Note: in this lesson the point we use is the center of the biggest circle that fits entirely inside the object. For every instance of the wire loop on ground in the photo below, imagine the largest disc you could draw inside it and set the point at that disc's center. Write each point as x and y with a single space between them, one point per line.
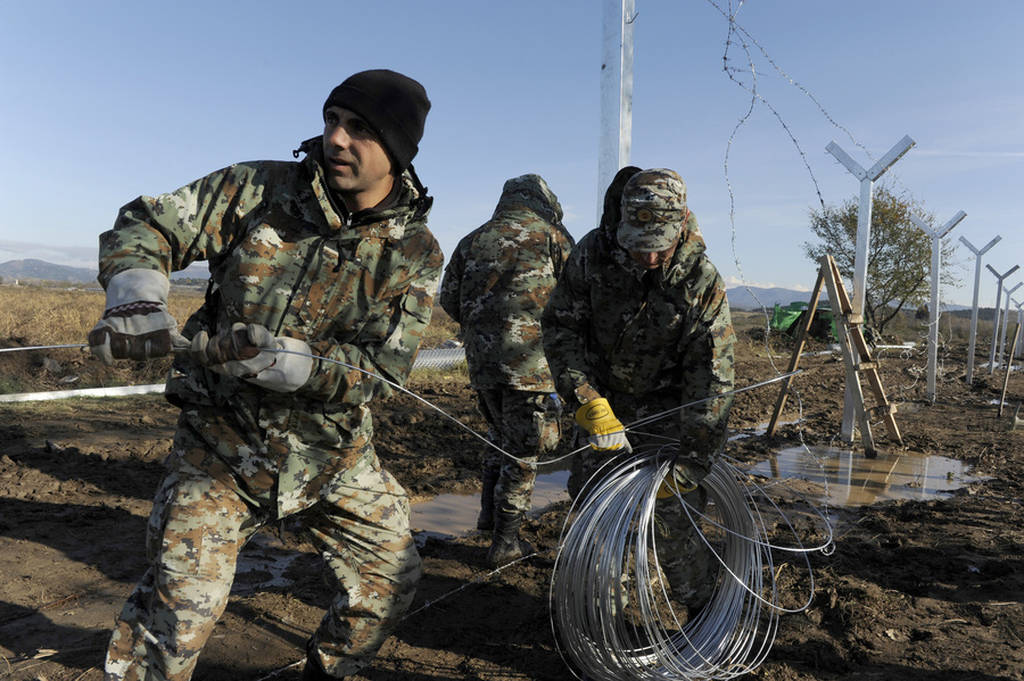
613 614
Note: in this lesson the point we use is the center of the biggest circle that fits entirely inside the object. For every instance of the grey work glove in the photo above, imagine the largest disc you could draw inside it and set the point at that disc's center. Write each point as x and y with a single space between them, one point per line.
252 353
136 323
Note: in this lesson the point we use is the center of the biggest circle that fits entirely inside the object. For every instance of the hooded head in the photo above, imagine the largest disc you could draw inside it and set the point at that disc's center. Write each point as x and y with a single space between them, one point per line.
612 210
653 211
530 191
394 105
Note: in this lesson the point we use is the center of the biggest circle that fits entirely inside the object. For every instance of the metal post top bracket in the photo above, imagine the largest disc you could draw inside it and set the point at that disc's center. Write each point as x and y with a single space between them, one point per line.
1000 277
941 232
989 245
883 164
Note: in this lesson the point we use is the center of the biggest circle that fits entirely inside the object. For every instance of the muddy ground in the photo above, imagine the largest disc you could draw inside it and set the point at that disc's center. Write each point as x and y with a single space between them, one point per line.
914 590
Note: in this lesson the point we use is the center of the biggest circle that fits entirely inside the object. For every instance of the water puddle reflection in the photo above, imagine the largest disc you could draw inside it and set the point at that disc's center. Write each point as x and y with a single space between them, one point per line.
455 514
852 479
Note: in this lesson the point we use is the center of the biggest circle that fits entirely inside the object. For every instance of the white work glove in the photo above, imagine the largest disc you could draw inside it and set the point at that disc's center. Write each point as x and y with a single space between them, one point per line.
136 323
605 432
252 353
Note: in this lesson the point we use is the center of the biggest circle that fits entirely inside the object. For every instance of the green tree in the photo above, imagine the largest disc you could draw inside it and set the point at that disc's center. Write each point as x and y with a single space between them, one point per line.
899 255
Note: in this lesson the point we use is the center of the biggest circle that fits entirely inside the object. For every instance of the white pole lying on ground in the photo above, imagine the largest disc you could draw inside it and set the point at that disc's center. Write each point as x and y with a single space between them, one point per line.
933 317
616 93
974 305
860 267
995 313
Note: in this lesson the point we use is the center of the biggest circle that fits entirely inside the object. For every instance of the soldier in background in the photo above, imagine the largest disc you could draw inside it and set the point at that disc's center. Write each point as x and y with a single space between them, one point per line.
328 256
639 324
495 286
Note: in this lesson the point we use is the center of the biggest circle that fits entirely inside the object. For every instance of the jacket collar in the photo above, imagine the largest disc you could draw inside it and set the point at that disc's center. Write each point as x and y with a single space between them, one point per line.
388 220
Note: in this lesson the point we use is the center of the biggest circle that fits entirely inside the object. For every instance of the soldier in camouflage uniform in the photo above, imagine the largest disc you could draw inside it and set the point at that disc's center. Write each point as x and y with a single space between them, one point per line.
637 325
328 257
495 286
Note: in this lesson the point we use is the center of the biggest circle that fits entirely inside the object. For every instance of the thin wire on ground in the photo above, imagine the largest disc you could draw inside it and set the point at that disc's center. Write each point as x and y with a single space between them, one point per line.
612 613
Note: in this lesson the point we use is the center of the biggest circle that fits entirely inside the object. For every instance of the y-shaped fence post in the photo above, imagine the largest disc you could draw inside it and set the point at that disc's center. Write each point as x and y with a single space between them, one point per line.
933 321
1020 317
860 267
1006 317
995 313
974 305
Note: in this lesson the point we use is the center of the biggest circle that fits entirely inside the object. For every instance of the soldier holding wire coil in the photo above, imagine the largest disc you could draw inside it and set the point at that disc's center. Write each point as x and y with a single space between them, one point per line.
638 324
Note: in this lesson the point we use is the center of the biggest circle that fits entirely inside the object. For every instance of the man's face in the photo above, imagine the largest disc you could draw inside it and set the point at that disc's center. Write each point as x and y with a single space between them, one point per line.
655 259
356 164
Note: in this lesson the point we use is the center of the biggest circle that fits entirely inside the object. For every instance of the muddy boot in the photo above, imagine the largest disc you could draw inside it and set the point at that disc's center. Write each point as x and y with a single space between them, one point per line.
506 545
485 521
314 671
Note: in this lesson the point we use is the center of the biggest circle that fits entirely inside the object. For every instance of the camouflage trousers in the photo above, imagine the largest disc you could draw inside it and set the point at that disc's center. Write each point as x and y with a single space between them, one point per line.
525 424
199 523
689 567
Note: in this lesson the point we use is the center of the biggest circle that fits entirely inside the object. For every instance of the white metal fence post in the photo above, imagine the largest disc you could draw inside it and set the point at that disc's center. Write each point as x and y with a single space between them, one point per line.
933 316
1020 316
1006 317
616 93
860 267
974 305
995 313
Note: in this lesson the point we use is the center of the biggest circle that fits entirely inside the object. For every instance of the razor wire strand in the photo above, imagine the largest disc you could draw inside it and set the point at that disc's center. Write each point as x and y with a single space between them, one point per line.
746 39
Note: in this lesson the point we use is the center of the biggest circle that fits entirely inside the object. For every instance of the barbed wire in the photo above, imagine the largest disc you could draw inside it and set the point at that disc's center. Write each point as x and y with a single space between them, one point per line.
738 36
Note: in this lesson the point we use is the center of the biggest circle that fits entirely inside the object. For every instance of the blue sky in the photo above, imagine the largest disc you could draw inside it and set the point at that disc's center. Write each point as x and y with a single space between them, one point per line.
104 101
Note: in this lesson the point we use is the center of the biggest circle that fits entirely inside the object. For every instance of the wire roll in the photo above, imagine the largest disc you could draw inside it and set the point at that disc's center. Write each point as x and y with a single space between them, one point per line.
613 615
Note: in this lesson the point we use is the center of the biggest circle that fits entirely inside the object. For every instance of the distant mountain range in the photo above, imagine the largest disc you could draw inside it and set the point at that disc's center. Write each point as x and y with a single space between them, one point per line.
753 297
740 297
40 270
46 271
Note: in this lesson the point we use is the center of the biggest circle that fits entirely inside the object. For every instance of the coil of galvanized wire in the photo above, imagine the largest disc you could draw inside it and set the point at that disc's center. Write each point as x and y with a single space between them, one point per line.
613 614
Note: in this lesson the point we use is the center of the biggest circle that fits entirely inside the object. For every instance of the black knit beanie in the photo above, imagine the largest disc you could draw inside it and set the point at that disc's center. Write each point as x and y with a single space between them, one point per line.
394 105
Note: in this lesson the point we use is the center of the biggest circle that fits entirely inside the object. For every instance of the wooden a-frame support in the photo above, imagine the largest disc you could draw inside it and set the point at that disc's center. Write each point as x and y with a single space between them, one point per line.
856 357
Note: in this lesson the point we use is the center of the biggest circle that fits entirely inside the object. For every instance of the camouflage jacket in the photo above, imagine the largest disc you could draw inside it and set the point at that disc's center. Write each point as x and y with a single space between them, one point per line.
357 288
647 341
498 281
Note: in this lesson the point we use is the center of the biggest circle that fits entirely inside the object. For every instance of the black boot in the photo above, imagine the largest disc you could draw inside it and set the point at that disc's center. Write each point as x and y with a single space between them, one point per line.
485 521
314 671
506 545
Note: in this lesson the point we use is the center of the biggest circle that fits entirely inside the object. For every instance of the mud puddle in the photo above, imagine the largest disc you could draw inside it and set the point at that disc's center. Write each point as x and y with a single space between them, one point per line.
849 478
455 514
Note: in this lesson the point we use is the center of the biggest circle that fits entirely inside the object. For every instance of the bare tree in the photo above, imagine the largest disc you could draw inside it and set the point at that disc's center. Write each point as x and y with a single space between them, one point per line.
899 256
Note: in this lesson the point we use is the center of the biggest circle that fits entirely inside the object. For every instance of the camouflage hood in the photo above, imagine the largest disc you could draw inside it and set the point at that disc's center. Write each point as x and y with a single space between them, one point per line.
529 192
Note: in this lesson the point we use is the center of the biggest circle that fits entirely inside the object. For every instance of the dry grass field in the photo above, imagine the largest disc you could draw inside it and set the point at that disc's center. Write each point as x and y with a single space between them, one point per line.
41 315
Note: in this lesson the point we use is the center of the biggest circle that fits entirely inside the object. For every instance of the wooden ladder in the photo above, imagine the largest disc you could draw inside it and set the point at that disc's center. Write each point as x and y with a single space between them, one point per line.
856 357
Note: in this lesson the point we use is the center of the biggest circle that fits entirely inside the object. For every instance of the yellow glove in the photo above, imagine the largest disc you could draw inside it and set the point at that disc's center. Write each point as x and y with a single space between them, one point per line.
605 431
682 479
